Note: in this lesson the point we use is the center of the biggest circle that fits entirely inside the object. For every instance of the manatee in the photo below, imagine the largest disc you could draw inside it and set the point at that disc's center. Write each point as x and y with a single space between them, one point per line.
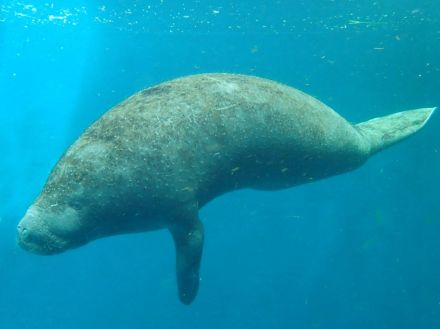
152 161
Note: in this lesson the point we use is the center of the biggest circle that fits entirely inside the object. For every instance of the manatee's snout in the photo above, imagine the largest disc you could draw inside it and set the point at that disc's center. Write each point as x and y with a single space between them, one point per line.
34 237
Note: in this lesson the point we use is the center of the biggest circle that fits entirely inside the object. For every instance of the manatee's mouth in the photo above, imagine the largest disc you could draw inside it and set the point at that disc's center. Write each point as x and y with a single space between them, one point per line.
38 239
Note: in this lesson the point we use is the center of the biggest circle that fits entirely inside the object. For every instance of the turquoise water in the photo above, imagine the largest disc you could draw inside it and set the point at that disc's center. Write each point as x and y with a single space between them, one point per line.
361 250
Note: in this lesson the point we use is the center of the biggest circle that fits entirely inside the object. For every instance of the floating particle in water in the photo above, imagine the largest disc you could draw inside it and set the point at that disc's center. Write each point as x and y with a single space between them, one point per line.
254 49
415 11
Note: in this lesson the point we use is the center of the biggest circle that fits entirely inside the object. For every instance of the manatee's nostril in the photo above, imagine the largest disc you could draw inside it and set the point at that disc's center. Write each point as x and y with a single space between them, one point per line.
28 236
23 233
22 229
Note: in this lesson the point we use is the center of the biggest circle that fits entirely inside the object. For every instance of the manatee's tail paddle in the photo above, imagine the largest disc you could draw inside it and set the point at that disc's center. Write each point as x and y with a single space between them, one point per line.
385 131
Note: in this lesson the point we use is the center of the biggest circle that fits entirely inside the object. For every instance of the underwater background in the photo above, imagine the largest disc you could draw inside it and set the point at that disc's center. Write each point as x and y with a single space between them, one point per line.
360 250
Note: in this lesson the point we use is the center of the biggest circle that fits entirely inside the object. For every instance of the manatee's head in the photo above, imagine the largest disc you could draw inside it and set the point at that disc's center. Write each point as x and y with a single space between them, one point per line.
69 211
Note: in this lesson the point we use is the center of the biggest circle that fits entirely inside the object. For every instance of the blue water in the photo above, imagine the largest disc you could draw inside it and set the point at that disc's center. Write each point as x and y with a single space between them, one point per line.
361 250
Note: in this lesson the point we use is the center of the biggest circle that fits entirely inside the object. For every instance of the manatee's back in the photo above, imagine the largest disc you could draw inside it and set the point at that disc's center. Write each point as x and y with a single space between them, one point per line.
207 133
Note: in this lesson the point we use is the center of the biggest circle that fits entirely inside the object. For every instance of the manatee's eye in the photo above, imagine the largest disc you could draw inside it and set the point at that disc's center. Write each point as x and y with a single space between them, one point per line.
75 204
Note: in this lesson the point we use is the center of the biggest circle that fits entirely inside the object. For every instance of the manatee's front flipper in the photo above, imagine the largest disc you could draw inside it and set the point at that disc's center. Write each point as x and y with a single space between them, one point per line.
188 238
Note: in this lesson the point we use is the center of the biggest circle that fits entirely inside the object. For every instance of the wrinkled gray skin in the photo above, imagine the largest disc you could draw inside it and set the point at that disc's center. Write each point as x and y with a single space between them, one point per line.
155 159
